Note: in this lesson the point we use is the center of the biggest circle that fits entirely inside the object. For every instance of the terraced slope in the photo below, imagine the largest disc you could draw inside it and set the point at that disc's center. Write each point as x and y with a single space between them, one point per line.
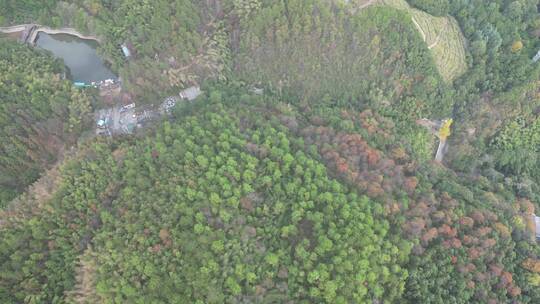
449 51
442 36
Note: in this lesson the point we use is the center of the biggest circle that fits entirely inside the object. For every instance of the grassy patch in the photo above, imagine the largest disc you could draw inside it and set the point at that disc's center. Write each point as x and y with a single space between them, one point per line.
449 52
442 36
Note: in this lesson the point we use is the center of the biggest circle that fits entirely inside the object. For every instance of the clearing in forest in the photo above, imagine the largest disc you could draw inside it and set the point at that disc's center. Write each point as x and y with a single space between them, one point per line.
443 38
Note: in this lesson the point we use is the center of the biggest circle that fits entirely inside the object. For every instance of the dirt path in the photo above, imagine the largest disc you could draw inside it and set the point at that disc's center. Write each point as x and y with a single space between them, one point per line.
435 43
419 29
358 7
370 2
424 35
13 29
439 36
441 150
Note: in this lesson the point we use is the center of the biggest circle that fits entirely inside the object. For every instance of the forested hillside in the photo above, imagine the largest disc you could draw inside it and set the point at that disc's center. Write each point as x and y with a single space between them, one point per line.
300 175
165 37
314 52
162 35
13 11
39 113
497 100
227 206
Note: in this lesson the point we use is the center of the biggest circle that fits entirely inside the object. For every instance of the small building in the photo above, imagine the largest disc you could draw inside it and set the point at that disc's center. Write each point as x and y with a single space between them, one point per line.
81 85
191 93
537 225
536 57
257 91
125 50
102 123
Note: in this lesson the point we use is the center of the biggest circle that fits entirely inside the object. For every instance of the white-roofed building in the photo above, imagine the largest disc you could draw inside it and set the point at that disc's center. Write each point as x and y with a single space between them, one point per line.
126 51
190 93
537 225
536 57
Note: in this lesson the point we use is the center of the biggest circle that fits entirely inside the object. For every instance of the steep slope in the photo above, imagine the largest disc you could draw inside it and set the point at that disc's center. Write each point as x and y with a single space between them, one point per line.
214 209
374 59
39 113
251 200
316 189
442 36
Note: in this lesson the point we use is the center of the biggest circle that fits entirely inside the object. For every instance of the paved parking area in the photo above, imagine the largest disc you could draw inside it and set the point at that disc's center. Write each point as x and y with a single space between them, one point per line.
116 120
120 120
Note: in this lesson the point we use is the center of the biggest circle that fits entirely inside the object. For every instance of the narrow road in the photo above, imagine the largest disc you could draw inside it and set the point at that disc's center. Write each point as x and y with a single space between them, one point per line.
441 151
435 43
370 2
419 29
33 36
434 127
13 29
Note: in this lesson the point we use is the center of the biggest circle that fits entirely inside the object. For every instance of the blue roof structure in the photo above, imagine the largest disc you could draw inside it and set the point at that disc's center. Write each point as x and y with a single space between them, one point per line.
81 85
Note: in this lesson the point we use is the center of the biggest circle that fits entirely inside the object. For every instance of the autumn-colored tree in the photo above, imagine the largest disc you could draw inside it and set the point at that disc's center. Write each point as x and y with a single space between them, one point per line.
466 221
517 46
532 265
503 230
430 235
445 131
410 184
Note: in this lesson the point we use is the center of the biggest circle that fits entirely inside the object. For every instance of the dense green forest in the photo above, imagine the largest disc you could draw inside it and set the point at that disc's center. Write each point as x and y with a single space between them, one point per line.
300 175
498 97
223 209
222 205
40 113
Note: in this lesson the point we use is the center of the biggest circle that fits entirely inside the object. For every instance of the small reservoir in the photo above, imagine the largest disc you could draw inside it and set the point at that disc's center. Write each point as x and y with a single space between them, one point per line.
79 55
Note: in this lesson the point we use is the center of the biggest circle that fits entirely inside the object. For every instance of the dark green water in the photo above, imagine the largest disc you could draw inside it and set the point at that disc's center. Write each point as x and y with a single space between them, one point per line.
79 55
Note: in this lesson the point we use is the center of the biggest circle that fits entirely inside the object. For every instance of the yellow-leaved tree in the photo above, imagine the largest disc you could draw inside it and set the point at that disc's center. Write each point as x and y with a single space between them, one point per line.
444 131
517 46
